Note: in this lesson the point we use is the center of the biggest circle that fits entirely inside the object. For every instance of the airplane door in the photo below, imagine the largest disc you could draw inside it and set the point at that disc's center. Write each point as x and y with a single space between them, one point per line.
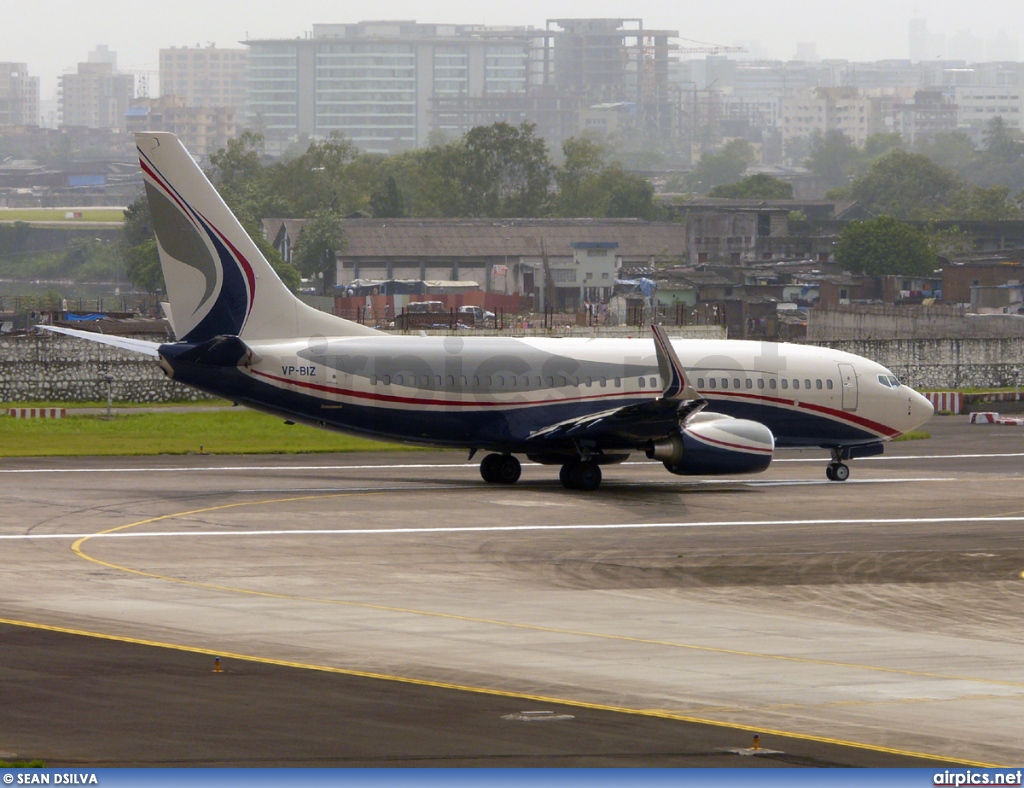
848 380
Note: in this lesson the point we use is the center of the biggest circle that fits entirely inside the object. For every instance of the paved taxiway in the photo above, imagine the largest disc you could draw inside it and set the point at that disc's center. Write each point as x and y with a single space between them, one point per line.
884 611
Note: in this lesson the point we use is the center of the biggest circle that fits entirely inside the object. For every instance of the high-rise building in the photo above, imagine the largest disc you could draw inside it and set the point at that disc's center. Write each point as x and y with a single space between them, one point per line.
202 130
388 85
19 96
375 82
204 76
96 96
831 109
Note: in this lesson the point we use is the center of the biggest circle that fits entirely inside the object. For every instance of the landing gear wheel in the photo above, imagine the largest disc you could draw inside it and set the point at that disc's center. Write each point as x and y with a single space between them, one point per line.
584 476
508 469
837 472
500 469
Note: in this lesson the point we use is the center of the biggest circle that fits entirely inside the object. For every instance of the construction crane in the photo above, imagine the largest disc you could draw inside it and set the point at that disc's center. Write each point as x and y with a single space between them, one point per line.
706 49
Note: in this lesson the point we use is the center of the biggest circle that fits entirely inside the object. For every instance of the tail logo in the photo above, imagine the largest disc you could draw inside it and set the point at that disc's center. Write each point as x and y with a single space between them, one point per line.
223 291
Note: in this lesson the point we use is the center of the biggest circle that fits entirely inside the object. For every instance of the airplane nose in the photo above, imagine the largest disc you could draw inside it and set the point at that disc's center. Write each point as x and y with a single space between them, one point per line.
920 410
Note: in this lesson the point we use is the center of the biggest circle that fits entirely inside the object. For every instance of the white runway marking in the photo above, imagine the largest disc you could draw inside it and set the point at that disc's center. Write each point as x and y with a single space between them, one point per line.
463 465
518 528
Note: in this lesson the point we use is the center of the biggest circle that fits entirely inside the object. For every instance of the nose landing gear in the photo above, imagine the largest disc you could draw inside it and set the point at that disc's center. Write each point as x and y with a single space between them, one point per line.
837 472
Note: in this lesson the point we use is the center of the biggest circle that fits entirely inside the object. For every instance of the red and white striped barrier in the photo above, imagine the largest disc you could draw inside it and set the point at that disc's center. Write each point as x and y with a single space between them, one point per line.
995 418
949 401
37 413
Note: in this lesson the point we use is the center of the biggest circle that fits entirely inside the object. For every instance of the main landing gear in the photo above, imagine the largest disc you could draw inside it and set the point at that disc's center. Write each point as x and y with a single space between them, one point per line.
580 475
500 469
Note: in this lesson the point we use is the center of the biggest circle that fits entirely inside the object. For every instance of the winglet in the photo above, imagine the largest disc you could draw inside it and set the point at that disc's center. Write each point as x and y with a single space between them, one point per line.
676 384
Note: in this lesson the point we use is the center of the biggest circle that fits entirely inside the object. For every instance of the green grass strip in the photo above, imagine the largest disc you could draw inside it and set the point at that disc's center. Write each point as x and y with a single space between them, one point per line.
221 432
58 214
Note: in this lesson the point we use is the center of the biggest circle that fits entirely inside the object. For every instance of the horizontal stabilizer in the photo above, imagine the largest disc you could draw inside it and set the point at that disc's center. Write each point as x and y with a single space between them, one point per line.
125 343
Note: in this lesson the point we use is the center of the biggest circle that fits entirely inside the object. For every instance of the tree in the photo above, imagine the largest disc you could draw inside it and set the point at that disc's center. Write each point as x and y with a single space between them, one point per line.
140 251
317 248
725 166
755 187
630 196
320 179
905 185
885 246
386 201
503 171
834 159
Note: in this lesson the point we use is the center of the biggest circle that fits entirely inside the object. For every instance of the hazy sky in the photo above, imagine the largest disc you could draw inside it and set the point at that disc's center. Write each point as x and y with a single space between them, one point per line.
52 36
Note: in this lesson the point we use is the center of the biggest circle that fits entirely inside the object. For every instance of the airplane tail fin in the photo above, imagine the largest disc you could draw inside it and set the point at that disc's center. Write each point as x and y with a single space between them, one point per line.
218 282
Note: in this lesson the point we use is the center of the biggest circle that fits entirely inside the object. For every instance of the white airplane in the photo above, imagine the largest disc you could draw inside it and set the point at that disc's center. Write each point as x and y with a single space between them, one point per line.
700 406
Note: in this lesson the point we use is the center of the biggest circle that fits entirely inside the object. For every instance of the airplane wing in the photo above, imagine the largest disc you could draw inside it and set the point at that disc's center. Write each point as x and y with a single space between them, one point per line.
136 345
678 402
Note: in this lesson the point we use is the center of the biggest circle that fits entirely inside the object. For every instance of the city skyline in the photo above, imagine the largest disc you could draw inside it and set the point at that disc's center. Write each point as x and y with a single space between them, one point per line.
873 30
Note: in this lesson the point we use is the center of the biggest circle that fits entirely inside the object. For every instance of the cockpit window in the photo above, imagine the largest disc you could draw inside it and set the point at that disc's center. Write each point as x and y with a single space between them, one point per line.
890 381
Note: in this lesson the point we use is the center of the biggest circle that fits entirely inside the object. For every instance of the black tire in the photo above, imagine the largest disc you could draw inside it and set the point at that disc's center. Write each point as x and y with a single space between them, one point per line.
565 475
830 472
586 476
507 469
841 472
489 468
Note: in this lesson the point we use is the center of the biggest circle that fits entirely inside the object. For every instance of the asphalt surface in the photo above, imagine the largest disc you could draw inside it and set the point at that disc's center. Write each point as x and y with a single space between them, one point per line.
392 609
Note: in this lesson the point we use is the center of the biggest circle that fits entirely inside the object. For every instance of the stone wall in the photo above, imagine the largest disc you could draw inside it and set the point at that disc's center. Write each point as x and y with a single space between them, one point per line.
54 367
944 363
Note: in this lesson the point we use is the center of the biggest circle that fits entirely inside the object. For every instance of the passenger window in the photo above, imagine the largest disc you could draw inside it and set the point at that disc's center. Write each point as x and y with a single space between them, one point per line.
536 382
772 383
817 384
451 381
760 383
576 381
500 380
750 383
618 383
725 383
807 383
735 383
641 383
712 382
373 380
476 381
487 381
785 383
512 381
828 384
562 381
399 380
551 382
604 382
654 383
700 383
796 383
386 380
437 381
590 381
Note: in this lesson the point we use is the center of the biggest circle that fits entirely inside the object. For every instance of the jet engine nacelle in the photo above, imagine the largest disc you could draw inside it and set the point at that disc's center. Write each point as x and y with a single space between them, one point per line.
709 447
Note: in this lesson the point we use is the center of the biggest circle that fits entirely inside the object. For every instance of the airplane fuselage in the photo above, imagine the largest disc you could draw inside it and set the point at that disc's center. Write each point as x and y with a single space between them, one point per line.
495 393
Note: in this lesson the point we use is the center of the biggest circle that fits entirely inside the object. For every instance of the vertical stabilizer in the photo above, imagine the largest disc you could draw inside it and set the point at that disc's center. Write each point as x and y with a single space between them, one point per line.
217 280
